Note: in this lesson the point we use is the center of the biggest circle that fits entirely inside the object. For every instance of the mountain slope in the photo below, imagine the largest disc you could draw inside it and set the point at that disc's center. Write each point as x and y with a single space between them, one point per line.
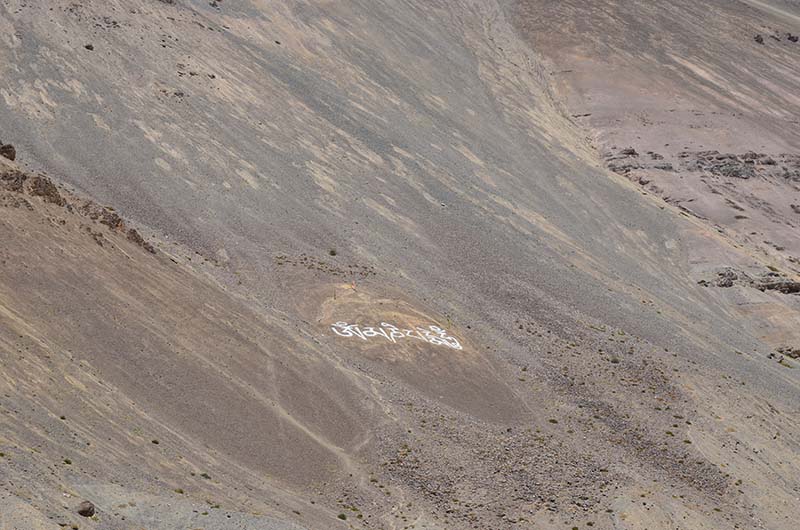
297 165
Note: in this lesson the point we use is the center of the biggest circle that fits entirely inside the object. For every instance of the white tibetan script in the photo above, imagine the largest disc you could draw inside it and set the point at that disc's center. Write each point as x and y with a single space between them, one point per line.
433 334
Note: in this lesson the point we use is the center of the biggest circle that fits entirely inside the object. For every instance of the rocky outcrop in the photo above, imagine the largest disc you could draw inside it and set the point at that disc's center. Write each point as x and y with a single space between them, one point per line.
767 281
43 187
716 163
792 353
628 159
17 185
774 282
737 166
136 237
743 166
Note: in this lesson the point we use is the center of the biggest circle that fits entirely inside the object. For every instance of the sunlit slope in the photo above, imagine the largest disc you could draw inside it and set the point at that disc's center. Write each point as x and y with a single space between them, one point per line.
399 136
376 164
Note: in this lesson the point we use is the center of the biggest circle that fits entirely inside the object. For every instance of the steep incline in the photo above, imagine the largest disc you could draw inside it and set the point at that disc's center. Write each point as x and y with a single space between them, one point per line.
412 164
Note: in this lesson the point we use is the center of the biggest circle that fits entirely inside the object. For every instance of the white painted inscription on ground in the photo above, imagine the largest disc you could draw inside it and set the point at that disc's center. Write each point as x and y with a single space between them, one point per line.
432 335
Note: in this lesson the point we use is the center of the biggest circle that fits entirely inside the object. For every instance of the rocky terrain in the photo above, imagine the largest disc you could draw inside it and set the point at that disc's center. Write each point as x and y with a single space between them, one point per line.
373 264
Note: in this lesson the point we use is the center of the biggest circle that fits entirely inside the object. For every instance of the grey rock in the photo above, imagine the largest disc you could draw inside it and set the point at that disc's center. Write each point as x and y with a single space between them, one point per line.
86 509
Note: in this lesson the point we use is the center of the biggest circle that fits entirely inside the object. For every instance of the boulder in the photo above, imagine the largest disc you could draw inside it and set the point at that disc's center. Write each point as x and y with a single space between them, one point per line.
86 509
8 151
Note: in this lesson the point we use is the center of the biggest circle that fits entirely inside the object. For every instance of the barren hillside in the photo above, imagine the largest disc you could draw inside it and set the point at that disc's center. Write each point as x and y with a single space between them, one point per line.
464 264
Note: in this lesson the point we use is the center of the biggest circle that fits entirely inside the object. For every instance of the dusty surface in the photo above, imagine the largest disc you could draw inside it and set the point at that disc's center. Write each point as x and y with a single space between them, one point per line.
477 166
681 98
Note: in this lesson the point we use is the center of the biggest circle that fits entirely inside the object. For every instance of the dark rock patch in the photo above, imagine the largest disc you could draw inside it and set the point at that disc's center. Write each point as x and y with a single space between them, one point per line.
792 353
136 237
720 164
352 270
12 180
102 215
623 168
775 282
768 281
744 166
8 151
43 187
726 278
86 509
